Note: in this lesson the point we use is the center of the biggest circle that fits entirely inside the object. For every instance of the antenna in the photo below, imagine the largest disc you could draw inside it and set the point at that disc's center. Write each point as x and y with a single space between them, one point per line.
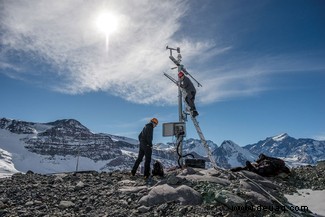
178 63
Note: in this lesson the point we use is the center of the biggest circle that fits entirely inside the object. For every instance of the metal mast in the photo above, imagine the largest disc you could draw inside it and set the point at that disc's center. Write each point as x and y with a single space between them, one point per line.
183 115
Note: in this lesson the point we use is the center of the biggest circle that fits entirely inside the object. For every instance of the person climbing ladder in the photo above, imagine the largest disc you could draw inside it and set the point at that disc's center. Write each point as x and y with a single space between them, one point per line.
190 90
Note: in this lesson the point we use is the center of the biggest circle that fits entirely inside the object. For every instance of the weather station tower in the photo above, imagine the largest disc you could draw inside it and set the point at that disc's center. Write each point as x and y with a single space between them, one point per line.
178 129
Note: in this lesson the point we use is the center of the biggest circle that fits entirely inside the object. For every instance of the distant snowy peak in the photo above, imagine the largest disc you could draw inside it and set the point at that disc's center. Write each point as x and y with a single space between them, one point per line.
229 155
23 127
305 151
116 138
230 147
280 137
161 146
16 126
72 123
196 146
69 126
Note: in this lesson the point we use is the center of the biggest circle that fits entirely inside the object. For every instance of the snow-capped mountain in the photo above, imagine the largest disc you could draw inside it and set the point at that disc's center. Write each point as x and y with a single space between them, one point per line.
65 145
294 151
230 155
195 146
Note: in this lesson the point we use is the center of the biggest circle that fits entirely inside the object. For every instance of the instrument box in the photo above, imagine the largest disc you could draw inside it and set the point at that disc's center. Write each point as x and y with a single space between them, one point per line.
195 163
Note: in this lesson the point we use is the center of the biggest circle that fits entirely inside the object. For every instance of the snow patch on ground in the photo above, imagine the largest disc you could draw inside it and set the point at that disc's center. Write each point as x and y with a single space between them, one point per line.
313 199
7 168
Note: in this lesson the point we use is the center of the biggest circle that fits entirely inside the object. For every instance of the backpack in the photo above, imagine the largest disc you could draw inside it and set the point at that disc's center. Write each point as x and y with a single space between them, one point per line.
158 169
271 166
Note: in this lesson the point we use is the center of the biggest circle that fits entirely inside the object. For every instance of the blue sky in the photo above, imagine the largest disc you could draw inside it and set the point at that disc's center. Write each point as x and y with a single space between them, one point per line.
261 64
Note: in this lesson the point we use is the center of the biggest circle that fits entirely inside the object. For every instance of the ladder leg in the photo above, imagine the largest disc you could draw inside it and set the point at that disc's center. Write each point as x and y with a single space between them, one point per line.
204 142
199 131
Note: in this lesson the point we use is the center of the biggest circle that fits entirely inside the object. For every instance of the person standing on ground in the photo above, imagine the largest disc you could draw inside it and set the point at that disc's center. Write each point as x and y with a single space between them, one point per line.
188 86
145 148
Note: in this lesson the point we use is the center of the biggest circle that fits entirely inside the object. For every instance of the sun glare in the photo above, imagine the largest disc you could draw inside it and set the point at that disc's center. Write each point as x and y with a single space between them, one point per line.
107 23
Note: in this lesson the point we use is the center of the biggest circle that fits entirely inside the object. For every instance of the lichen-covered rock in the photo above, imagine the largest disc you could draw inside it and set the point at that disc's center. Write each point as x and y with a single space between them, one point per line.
229 199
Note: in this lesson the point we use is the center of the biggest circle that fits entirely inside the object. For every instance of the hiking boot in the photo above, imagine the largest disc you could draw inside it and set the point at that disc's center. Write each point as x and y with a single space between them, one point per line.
148 180
195 113
132 173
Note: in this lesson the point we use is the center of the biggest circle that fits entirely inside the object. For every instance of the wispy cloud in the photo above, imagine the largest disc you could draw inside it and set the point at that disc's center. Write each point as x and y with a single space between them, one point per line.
248 75
10 70
63 35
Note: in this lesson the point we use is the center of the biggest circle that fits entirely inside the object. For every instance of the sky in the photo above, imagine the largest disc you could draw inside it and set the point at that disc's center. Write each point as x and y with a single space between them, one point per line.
261 65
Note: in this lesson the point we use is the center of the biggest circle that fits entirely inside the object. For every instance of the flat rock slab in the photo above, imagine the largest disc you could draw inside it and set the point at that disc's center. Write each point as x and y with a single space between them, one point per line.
206 178
259 199
251 175
250 186
165 193
229 199
129 189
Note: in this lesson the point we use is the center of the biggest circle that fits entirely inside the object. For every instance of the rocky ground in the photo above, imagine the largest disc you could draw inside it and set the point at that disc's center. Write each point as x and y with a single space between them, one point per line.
306 177
187 192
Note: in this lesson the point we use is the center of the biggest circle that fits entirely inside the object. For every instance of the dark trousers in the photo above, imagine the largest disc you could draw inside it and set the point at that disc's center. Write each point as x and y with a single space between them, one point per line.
144 151
190 97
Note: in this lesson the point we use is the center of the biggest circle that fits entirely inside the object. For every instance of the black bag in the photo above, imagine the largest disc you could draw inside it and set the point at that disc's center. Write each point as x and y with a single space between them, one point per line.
271 166
158 169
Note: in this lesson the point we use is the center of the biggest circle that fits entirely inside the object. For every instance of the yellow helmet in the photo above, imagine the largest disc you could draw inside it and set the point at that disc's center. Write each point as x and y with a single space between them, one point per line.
154 120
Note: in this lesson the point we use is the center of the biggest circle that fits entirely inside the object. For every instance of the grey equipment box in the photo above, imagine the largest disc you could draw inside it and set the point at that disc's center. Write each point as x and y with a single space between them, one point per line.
174 128
196 163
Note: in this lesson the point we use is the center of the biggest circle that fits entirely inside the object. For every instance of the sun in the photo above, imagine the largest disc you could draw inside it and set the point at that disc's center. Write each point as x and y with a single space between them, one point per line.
107 22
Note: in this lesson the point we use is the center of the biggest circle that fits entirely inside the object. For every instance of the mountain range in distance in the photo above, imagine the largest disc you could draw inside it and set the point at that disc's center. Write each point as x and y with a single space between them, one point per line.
67 145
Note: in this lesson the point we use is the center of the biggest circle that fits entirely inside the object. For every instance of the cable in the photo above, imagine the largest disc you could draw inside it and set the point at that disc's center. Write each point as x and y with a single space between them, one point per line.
179 142
259 186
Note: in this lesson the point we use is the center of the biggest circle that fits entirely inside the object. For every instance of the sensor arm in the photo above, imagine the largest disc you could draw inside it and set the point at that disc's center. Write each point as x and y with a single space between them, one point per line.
177 63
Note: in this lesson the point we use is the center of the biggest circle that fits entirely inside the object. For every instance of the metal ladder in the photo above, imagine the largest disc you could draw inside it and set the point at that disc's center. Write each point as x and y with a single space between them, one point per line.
195 122
200 133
